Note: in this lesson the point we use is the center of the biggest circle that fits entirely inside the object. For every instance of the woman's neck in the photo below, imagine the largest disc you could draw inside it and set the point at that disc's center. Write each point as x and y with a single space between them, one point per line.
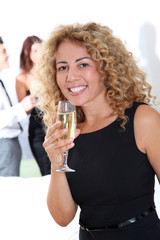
97 116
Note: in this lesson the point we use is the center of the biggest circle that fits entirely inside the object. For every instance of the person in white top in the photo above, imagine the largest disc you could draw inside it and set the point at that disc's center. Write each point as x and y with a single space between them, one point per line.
10 128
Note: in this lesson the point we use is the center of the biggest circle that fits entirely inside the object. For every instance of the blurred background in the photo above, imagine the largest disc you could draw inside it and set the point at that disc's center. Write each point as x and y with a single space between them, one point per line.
135 22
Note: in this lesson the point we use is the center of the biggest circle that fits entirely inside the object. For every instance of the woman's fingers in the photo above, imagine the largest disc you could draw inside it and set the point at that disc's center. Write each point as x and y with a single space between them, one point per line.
59 147
57 125
53 128
55 144
61 143
54 137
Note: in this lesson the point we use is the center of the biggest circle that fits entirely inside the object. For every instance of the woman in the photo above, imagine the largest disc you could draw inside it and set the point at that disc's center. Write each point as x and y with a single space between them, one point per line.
116 151
29 53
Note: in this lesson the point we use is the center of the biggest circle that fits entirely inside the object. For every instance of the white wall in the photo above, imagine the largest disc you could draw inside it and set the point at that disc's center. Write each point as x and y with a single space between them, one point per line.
134 21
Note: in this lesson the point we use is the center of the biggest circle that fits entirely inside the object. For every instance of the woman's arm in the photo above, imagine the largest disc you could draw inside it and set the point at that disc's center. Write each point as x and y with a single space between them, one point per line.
60 202
147 134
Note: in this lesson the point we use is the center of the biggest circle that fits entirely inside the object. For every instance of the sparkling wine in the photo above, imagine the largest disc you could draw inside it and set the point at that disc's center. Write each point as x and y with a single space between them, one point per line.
68 120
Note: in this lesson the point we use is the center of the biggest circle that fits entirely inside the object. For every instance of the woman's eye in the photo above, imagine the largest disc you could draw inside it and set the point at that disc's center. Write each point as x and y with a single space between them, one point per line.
82 65
62 68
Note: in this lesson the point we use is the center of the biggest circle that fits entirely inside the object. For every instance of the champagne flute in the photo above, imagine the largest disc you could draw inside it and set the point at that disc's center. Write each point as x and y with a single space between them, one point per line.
67 115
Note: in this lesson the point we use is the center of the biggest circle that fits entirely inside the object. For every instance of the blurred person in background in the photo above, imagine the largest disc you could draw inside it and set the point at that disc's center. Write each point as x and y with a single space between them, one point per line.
28 56
10 128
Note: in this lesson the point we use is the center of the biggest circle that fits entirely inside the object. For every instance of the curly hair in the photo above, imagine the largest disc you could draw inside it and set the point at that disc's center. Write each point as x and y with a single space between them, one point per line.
26 63
125 82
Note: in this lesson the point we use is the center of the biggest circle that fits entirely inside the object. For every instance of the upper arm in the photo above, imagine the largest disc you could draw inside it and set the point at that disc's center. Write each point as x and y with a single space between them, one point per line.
20 89
147 134
153 143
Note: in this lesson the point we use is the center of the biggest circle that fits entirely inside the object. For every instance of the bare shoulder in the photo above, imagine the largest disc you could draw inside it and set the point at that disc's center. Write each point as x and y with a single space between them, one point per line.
147 134
146 126
145 115
21 77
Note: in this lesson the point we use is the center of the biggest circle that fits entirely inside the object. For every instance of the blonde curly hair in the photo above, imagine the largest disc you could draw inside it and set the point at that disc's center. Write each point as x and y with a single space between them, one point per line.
125 82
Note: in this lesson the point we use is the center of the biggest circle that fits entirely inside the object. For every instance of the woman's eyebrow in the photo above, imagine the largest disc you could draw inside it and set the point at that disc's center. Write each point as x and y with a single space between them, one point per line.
77 60
62 62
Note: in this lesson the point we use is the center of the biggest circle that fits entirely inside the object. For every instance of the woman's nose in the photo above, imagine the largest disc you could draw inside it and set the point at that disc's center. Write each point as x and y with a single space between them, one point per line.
72 75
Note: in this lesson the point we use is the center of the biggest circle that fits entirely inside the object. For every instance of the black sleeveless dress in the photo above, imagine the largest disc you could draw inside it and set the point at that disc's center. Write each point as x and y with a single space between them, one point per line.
36 139
113 182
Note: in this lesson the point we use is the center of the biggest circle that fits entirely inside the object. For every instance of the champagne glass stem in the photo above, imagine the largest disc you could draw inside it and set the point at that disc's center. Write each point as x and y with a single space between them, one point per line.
65 167
65 159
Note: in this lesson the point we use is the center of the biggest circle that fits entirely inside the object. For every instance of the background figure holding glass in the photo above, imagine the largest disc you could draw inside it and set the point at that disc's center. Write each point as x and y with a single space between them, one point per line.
117 154
10 128
28 56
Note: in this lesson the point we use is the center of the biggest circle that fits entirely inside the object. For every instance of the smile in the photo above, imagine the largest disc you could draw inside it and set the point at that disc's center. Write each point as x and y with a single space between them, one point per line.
77 89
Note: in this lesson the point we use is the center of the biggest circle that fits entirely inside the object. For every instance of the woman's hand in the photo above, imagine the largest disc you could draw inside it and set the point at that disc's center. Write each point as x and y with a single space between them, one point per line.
55 147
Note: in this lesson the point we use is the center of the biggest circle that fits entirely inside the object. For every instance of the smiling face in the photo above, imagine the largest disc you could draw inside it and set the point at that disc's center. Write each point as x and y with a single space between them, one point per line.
3 58
77 75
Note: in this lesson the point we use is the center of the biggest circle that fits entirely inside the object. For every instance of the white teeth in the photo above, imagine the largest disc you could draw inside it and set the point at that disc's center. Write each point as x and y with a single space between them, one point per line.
77 89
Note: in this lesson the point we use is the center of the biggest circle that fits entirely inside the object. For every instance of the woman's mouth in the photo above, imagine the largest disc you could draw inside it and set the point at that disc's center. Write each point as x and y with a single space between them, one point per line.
77 90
